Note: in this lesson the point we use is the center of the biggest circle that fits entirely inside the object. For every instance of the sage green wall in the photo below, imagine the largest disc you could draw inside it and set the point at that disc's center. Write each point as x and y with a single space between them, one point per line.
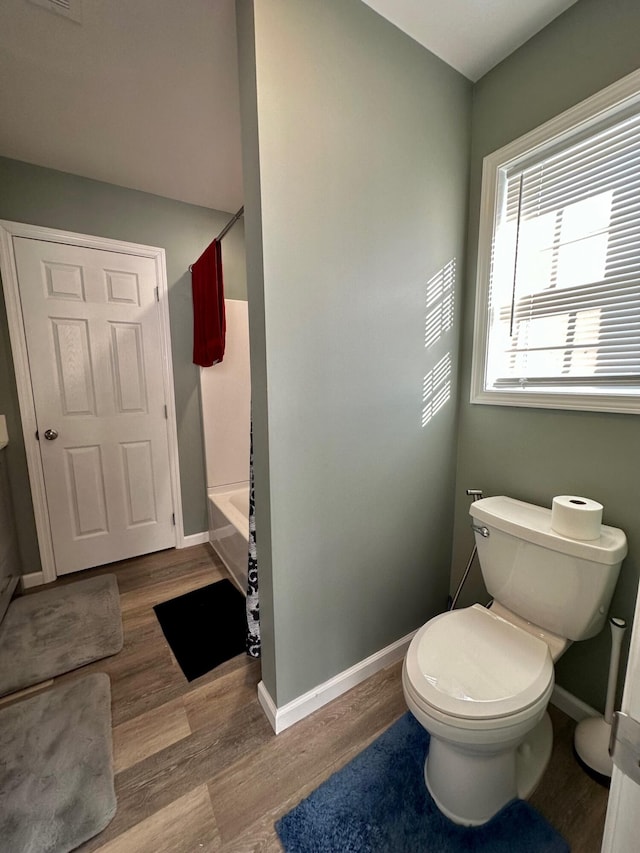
58 200
534 454
362 140
255 288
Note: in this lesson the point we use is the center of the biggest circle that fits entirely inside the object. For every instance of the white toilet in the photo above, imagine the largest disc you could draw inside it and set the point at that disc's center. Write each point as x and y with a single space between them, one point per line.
479 679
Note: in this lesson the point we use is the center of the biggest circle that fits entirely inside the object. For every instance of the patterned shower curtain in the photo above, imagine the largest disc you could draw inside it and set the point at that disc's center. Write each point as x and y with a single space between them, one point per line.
253 601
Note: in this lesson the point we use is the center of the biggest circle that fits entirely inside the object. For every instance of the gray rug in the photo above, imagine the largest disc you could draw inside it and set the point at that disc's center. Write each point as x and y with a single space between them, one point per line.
56 767
57 630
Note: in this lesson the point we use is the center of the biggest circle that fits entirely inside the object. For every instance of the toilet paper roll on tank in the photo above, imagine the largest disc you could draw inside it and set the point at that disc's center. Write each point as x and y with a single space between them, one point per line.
576 517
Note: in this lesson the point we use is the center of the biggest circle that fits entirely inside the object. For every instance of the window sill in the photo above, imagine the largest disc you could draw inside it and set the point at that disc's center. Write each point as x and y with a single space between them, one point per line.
614 403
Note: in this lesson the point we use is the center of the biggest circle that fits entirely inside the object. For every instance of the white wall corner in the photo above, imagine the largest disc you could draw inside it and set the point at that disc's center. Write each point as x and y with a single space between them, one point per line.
31 580
282 717
193 539
268 706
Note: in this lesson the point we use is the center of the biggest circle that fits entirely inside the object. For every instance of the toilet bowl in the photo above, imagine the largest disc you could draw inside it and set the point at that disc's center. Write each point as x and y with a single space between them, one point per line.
480 686
479 680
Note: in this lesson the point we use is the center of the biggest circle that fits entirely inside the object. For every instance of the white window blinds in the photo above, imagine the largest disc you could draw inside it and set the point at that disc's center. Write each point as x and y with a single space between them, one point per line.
564 293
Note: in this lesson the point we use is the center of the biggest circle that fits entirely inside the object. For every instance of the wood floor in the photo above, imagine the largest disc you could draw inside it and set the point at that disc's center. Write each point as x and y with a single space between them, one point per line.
198 767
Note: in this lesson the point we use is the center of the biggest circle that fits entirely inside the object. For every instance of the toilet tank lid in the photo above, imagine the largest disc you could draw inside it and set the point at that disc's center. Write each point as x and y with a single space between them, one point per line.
533 524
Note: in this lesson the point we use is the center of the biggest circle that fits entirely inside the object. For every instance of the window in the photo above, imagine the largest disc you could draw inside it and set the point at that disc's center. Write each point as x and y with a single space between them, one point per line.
558 288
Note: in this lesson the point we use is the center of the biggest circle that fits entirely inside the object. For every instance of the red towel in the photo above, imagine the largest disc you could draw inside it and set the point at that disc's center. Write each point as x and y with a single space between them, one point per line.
209 324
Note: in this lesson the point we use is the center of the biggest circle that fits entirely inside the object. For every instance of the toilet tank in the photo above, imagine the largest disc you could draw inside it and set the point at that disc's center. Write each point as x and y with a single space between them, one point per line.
563 585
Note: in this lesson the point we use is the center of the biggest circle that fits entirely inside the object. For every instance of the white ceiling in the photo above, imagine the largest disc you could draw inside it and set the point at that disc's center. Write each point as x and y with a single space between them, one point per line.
144 93
470 35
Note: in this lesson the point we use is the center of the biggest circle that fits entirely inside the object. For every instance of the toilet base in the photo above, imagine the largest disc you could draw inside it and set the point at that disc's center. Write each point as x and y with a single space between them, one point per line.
532 757
470 787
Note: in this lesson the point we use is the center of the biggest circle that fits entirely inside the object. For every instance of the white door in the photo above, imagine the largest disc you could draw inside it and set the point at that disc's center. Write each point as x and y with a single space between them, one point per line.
92 330
622 827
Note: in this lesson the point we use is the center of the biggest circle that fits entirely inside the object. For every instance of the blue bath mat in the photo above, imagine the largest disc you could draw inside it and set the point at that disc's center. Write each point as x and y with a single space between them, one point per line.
379 803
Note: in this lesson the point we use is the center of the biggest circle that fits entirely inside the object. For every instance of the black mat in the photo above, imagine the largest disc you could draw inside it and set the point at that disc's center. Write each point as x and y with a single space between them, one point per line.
205 627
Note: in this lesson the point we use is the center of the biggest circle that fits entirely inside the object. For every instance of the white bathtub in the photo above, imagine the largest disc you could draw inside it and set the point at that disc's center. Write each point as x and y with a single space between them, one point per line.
229 529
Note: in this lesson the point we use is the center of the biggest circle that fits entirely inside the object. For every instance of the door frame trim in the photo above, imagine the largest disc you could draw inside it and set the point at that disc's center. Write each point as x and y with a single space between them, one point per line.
8 270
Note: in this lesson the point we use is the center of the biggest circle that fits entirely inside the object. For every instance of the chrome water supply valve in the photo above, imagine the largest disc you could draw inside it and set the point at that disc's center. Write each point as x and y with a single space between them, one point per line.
475 495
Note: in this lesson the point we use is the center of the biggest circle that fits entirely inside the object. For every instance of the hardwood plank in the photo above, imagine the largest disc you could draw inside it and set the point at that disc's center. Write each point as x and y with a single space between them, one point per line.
567 796
143 675
171 562
148 733
186 825
230 772
259 835
166 588
194 760
155 782
140 572
136 693
223 695
301 757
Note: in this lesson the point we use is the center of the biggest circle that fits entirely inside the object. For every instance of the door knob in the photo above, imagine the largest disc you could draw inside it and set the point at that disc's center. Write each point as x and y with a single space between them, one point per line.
51 434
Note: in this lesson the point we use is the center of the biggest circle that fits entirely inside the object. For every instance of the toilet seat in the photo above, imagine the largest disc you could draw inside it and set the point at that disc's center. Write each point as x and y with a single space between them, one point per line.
476 670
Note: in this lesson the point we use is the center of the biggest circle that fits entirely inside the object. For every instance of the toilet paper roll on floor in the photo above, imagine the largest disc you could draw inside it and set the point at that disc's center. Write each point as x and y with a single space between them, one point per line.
576 518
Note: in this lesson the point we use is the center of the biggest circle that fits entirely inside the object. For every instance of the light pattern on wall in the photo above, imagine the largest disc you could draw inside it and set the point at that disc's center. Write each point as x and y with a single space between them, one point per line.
439 317
440 303
436 389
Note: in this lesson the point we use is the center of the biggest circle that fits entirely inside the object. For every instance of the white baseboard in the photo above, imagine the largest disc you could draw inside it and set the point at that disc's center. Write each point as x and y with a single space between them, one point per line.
193 539
296 710
285 716
268 706
571 705
31 580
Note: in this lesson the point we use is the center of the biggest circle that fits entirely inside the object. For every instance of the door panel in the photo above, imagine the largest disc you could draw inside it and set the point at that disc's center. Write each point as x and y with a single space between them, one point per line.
93 335
137 470
128 367
71 352
85 491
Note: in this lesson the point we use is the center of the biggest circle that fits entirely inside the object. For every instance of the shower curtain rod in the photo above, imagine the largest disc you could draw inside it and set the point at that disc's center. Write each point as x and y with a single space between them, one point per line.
226 228
230 223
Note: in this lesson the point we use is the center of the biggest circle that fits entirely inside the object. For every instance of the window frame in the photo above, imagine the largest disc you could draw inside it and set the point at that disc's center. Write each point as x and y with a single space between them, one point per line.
620 96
